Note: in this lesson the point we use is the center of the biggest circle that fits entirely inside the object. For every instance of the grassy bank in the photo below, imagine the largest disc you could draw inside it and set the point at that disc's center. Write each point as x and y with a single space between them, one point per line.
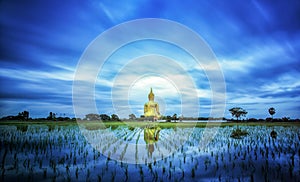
115 124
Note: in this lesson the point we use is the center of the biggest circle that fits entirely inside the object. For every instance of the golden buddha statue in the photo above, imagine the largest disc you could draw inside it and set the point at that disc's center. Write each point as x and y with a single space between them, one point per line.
151 108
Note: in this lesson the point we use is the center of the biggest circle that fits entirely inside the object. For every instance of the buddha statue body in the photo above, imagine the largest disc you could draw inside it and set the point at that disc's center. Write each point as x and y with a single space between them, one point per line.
151 108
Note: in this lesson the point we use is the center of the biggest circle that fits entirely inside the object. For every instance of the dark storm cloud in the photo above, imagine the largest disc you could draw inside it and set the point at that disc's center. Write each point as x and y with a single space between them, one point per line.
35 31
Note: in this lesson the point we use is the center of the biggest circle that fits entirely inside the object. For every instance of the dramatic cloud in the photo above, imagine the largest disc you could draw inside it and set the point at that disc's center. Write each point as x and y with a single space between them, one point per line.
256 43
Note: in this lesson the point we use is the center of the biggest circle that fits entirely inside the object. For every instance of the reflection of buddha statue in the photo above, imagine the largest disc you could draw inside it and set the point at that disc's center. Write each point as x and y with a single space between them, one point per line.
151 108
151 136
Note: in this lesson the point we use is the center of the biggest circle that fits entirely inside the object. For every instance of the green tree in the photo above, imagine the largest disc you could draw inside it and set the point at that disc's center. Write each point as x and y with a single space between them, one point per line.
174 117
92 117
132 117
52 116
23 115
115 117
238 112
272 111
168 118
104 117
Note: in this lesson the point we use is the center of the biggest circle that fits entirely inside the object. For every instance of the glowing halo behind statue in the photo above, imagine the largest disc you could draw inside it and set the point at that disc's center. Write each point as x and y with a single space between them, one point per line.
110 41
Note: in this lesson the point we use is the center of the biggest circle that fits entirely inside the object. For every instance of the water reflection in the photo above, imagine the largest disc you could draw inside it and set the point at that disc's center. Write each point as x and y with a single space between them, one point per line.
140 144
151 136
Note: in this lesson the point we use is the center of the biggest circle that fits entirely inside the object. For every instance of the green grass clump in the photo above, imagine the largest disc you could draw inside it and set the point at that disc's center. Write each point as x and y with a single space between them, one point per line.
238 133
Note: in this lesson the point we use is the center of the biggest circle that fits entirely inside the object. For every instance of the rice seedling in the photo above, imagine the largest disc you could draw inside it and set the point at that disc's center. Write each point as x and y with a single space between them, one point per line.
64 154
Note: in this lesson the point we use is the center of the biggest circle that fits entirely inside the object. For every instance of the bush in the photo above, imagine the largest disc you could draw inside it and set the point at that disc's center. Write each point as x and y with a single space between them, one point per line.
252 120
269 119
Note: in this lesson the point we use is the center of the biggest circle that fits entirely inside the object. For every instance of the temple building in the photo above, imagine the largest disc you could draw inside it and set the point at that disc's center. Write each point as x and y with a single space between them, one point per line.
151 108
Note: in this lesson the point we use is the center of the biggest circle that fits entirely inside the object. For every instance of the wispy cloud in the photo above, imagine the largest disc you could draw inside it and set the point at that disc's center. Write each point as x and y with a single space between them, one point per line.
257 45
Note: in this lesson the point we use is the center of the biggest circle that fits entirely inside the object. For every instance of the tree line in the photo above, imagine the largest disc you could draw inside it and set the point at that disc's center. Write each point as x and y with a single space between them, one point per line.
24 116
102 117
239 112
236 112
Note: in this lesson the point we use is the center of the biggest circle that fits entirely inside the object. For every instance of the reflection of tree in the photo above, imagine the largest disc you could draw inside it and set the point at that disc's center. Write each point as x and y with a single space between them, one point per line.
273 134
151 136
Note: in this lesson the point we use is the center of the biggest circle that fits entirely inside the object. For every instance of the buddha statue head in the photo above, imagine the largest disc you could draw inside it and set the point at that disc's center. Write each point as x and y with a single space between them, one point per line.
151 95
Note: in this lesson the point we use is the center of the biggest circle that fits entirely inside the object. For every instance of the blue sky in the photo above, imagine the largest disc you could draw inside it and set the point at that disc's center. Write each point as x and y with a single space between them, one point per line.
256 43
